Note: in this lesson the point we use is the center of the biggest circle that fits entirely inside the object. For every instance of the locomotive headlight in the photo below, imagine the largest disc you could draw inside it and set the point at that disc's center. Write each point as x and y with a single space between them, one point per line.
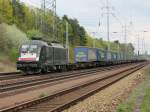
19 59
37 59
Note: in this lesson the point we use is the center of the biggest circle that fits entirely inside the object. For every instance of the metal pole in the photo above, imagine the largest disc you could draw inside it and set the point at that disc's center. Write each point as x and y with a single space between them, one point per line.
94 42
138 45
55 22
119 51
143 45
118 48
67 42
125 42
44 18
108 30
143 42
43 7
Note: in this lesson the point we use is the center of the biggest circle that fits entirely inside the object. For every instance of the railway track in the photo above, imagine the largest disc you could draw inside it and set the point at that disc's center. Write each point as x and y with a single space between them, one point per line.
63 99
10 75
43 79
17 75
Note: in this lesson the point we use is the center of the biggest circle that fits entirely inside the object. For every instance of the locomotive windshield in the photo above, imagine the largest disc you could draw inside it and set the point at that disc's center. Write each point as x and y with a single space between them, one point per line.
29 48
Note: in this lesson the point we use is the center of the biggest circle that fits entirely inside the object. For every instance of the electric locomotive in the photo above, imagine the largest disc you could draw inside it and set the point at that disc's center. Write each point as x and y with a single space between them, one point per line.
36 56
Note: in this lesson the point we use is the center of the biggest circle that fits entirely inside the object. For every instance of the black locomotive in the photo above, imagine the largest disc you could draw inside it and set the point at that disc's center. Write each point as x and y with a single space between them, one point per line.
38 56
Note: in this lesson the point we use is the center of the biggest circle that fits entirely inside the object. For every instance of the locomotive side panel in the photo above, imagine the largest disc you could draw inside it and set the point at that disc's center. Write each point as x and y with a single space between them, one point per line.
49 56
60 56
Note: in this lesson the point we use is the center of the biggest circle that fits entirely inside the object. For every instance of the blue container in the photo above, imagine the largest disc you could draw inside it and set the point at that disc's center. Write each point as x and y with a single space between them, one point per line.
85 54
114 56
101 55
118 56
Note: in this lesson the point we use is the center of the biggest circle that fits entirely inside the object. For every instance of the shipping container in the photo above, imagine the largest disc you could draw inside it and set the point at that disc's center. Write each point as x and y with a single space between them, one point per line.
119 56
85 54
108 56
101 55
113 56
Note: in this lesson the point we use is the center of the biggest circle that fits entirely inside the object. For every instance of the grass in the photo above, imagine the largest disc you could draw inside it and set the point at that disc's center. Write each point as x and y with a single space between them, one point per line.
145 107
6 64
128 107
13 54
129 104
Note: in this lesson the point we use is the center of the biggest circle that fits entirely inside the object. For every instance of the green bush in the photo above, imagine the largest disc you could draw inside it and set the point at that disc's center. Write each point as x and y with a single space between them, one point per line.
13 54
10 40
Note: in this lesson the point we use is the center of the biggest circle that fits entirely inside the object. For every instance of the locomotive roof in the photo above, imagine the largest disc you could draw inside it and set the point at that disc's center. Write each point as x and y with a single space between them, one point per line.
57 45
43 43
37 42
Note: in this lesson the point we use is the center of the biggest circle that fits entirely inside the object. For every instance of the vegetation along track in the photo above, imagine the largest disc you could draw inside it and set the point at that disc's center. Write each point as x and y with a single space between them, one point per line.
43 79
65 98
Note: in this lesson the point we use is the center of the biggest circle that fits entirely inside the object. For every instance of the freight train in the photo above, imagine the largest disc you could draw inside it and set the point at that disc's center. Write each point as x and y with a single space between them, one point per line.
36 56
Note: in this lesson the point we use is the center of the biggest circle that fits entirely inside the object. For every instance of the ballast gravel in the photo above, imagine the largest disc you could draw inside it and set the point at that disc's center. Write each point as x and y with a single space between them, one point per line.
108 99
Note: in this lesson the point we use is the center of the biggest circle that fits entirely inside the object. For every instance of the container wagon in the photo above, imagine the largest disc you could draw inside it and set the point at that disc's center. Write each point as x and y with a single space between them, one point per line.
85 56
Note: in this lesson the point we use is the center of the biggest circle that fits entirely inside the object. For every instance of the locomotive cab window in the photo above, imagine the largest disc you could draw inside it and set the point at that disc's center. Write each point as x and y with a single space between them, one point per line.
33 49
29 48
24 48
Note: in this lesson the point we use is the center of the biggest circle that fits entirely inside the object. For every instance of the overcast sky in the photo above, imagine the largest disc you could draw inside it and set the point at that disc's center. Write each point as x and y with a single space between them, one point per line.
89 12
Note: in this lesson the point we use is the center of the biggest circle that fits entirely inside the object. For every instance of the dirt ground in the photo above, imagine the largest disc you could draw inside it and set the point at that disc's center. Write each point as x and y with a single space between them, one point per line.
108 99
6 64
7 67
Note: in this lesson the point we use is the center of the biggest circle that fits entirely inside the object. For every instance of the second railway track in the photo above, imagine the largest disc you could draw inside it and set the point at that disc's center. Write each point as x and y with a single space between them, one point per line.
9 88
63 99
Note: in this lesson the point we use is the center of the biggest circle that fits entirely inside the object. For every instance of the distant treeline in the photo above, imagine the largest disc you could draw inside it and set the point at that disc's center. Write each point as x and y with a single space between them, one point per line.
34 22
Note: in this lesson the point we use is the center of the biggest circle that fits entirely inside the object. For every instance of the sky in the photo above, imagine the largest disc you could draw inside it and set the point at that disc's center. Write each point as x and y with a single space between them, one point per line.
134 13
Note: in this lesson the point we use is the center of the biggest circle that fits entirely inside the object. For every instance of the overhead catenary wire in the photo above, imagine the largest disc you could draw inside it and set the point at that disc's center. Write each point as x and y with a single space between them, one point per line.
50 5
110 10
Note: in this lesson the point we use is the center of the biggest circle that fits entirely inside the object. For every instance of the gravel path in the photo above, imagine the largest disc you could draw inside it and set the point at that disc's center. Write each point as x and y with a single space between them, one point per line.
107 100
